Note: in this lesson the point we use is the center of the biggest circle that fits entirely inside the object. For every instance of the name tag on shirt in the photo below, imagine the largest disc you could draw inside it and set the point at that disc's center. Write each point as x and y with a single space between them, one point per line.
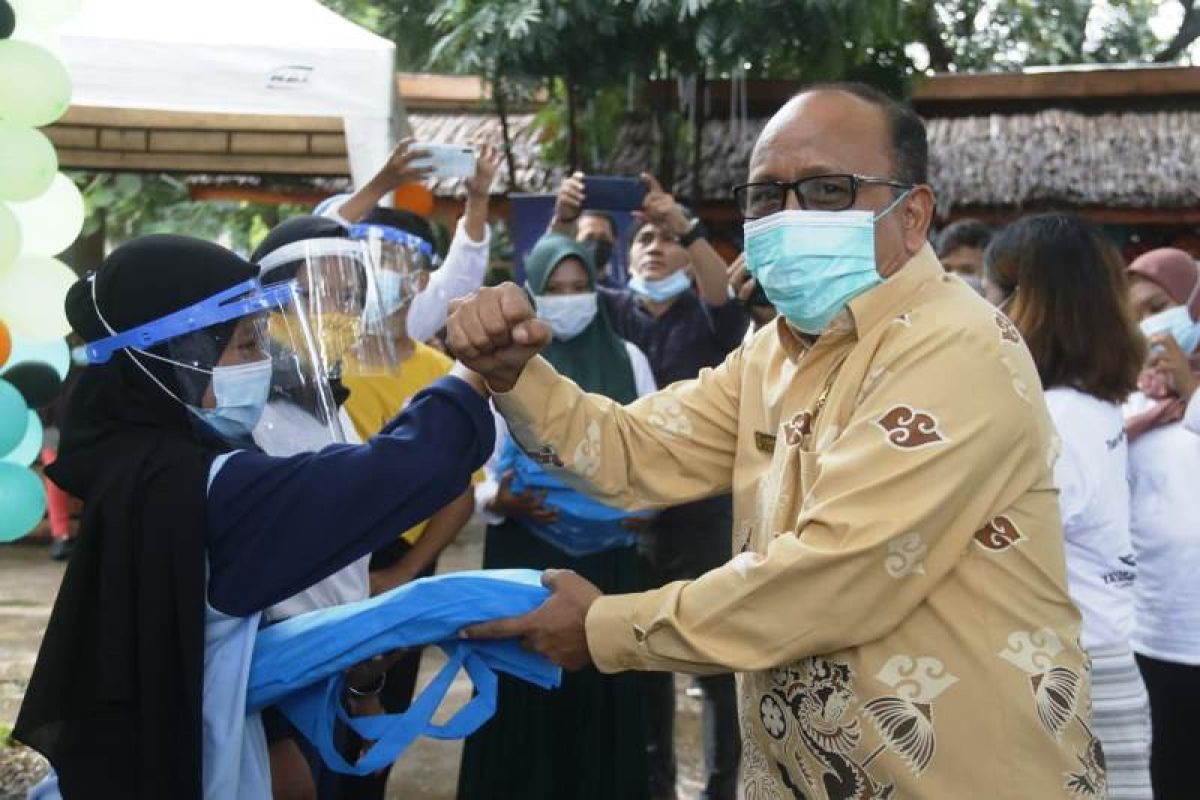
765 442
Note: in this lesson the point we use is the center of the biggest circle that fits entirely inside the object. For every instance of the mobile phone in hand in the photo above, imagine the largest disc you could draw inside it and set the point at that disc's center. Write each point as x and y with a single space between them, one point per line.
758 297
606 193
447 160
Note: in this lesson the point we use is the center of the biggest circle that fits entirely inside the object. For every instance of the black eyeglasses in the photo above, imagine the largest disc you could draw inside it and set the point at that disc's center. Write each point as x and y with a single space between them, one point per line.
815 193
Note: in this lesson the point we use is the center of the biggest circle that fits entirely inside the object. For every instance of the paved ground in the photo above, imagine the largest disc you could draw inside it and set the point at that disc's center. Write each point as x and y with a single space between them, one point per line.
428 771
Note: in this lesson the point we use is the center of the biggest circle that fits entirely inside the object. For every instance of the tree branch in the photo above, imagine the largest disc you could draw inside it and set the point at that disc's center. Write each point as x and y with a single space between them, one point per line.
940 55
1189 31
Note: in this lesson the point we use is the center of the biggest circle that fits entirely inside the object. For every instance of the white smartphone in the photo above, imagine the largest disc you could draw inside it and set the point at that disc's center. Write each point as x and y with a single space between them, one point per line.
447 160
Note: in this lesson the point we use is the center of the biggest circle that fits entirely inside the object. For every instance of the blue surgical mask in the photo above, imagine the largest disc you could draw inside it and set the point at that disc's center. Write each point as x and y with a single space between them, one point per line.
662 290
811 264
1178 322
394 290
241 395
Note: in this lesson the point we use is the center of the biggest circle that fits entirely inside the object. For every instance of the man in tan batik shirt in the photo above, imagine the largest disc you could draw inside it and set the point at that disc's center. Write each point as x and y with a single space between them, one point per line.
897 605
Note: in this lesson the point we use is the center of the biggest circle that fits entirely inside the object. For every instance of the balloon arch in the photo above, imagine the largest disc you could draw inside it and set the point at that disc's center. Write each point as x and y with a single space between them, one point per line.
41 214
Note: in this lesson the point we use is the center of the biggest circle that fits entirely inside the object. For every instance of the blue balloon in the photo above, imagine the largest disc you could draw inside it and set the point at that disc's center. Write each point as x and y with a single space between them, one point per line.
14 416
27 451
22 501
54 352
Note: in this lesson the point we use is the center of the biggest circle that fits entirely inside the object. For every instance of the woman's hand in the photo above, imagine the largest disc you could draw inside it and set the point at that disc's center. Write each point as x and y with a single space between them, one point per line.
487 164
399 169
1164 412
660 209
1169 359
569 203
528 504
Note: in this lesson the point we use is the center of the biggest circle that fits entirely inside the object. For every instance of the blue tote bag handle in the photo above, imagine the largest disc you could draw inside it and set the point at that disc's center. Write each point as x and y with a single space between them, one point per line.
315 709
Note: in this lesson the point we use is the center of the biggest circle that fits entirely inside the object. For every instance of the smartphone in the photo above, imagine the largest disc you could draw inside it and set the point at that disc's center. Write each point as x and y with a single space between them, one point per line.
447 160
605 193
758 297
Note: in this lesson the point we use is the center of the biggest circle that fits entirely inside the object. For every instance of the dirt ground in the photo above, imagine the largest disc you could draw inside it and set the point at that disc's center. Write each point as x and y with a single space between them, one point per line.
428 771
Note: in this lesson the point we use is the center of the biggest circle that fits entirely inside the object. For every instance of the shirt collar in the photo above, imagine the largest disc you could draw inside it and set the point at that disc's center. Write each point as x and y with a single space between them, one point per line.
871 307
885 300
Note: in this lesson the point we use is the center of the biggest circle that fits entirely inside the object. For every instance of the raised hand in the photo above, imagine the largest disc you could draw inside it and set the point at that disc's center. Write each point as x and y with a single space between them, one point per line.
660 209
495 332
488 159
556 628
398 170
569 203
1169 359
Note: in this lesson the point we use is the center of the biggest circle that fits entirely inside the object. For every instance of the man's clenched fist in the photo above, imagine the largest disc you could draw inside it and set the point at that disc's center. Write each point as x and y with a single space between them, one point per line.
495 332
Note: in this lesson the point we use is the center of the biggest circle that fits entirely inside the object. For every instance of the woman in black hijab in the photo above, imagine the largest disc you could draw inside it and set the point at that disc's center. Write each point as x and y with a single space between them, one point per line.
188 533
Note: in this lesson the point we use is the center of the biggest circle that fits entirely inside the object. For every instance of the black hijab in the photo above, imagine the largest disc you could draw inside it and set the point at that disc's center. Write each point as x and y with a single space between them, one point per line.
114 702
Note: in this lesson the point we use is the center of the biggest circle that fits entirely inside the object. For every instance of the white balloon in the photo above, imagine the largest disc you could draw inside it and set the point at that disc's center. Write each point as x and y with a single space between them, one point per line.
31 297
46 12
27 31
51 221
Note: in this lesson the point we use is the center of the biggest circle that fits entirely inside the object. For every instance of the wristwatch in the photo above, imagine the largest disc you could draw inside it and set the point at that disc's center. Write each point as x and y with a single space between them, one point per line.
696 231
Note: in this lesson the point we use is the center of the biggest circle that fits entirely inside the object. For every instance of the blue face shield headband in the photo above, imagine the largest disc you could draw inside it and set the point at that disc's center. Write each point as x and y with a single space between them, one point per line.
366 232
237 301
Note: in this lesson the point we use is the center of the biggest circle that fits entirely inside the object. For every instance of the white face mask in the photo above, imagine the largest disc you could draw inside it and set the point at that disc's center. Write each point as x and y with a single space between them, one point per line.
566 314
241 395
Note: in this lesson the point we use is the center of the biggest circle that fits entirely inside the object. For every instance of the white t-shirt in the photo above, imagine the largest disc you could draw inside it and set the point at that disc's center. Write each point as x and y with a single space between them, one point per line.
286 430
1163 467
1092 477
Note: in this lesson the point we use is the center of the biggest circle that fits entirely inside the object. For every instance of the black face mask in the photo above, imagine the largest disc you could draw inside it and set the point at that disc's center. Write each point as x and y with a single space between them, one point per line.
602 250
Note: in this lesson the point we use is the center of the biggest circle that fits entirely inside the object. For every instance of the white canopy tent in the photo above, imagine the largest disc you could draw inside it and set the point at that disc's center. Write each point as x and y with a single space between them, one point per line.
272 57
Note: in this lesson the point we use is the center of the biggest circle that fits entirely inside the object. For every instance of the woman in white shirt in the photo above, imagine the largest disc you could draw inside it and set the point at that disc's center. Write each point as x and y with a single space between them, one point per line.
1163 422
1069 303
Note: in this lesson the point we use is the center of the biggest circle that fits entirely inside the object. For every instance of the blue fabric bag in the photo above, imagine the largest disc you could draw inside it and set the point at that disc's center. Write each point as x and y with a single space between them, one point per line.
298 664
585 526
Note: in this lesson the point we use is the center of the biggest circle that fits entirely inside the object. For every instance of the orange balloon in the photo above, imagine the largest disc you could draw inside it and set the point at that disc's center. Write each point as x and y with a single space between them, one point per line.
416 198
5 343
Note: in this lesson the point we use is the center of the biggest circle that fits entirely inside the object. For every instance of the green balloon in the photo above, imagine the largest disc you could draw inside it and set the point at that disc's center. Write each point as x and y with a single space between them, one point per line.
10 234
35 88
22 501
14 417
28 449
29 163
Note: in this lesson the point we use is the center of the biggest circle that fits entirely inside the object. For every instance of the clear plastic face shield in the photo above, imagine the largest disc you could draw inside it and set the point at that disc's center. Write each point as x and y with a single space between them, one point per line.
231 359
336 294
397 260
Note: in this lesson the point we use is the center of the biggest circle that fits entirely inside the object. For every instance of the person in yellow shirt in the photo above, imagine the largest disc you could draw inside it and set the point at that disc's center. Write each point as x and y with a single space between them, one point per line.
897 607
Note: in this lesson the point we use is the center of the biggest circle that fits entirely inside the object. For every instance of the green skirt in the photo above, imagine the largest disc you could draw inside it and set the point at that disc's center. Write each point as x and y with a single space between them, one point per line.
582 741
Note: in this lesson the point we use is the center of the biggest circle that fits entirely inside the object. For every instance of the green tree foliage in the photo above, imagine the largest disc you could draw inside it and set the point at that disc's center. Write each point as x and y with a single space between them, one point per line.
126 205
1011 34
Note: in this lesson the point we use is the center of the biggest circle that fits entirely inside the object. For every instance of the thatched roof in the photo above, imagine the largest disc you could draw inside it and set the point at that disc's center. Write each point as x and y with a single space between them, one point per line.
533 174
724 155
1123 160
458 127
1117 160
